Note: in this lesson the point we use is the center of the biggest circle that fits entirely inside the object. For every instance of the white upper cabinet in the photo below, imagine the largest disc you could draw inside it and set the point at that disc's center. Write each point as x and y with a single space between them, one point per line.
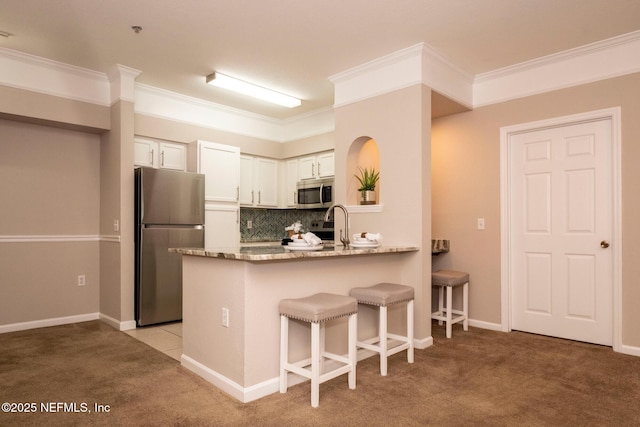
258 181
317 166
220 165
162 155
172 156
291 183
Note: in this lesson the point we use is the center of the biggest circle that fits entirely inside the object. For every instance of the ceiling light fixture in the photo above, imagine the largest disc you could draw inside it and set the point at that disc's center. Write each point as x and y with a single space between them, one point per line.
249 89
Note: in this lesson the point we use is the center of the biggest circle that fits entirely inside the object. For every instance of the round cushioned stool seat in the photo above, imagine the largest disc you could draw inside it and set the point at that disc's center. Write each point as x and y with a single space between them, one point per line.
319 307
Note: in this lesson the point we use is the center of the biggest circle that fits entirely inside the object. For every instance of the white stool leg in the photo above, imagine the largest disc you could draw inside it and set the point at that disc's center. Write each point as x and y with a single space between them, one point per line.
382 333
440 302
284 352
449 307
465 306
353 335
315 364
410 331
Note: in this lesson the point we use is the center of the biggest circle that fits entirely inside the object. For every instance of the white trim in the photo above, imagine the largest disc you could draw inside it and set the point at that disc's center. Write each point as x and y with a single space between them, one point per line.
602 60
243 394
631 351
485 325
29 72
46 238
420 344
44 323
365 208
613 114
417 64
122 82
126 325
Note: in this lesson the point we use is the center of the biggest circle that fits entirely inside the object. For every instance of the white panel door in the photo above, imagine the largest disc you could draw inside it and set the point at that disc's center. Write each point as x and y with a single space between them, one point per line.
561 222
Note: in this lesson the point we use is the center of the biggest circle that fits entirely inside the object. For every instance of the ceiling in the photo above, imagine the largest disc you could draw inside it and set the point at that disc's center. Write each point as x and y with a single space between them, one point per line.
294 46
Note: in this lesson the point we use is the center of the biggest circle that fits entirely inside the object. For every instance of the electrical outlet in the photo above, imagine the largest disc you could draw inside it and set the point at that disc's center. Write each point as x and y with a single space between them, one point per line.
225 317
81 280
480 223
249 225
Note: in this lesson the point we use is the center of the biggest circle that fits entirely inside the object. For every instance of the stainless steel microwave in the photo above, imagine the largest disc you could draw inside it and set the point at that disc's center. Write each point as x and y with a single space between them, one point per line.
315 193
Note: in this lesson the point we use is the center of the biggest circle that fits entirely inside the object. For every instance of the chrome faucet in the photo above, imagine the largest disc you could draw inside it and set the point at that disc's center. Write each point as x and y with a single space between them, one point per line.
345 240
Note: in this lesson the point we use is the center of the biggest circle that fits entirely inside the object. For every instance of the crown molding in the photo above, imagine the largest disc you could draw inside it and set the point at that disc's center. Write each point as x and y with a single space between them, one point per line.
156 102
29 72
122 82
613 57
417 64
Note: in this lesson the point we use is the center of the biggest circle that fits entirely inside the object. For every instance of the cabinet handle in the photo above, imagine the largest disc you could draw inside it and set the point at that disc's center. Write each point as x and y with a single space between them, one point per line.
313 169
318 169
238 216
259 196
151 157
162 158
238 193
251 196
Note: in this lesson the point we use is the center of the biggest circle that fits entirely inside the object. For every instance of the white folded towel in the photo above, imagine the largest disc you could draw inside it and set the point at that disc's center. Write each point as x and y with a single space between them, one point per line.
311 239
373 237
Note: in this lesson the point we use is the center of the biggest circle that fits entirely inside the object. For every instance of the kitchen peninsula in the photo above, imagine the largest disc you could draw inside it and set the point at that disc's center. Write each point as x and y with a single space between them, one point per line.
231 324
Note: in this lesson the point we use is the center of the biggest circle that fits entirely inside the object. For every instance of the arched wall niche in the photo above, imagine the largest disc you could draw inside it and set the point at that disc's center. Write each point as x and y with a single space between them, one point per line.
363 153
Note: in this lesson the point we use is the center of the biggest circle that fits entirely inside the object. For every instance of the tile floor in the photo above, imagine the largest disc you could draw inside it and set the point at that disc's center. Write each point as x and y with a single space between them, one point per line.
166 338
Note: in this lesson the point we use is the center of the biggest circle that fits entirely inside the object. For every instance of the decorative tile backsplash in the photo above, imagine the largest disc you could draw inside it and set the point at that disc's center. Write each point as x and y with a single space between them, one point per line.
269 224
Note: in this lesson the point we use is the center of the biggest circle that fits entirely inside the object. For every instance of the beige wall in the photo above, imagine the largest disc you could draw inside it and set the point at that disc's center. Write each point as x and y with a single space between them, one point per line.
399 122
50 187
466 185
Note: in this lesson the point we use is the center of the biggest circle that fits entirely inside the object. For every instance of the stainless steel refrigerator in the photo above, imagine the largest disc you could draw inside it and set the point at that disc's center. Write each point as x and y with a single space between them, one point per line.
169 211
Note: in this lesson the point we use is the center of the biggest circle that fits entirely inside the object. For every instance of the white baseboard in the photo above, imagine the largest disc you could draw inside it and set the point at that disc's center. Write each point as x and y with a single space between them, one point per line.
44 323
230 387
632 351
126 325
423 343
485 325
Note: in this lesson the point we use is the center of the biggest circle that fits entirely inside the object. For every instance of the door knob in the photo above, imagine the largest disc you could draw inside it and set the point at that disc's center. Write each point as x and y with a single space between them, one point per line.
604 244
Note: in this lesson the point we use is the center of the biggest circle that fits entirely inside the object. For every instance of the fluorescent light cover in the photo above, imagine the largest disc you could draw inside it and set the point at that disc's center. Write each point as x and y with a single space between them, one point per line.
230 83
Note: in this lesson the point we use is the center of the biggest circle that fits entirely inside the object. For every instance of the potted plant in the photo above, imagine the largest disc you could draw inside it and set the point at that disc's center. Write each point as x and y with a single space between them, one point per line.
368 179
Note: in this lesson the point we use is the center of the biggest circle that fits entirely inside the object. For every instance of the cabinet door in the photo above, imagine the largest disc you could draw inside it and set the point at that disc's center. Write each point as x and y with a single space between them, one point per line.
247 194
145 153
172 156
307 167
326 165
221 226
291 181
266 182
221 166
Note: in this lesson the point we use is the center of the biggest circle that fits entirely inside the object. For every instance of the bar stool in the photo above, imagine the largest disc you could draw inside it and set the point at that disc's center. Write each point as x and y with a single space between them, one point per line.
383 295
450 279
317 309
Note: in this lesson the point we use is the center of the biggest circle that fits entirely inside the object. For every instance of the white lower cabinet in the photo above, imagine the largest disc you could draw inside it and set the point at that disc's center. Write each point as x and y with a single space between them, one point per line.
221 226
